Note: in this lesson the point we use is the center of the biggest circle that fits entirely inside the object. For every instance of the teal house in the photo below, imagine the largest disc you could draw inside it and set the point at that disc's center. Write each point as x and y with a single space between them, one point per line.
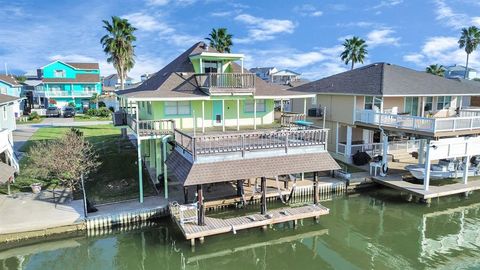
11 87
64 83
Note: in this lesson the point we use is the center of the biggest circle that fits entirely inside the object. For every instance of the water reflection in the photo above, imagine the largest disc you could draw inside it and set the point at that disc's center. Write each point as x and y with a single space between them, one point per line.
375 230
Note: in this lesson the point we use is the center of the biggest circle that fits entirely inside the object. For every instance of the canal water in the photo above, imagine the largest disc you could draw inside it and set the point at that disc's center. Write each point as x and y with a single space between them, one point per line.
370 230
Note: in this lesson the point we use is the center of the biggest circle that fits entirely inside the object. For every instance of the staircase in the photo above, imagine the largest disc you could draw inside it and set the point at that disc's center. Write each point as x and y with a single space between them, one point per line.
402 156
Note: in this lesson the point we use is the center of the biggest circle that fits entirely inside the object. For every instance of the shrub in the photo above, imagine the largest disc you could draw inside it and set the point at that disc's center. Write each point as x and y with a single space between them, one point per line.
101 104
91 112
102 112
71 104
34 116
111 109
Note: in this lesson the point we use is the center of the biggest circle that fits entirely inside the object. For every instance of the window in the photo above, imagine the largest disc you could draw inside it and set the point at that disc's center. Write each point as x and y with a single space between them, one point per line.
411 105
211 66
88 88
177 107
59 73
428 104
261 107
443 102
149 107
373 102
56 88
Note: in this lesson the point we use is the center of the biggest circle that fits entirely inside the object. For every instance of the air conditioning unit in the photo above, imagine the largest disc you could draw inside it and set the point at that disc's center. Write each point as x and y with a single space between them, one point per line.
315 112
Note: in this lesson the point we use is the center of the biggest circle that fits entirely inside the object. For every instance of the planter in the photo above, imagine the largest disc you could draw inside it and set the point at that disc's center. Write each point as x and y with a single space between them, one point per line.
36 187
343 174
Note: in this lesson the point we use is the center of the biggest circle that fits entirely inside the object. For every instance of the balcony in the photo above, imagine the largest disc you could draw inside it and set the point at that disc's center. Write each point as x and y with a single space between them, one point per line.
467 122
226 83
150 128
65 93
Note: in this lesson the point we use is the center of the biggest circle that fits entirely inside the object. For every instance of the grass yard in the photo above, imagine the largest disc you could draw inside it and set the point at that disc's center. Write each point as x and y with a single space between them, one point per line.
86 118
117 177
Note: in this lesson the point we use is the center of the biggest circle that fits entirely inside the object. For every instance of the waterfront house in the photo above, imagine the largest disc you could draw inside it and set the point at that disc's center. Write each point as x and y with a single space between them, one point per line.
371 108
10 86
65 83
284 77
458 71
113 80
221 122
8 105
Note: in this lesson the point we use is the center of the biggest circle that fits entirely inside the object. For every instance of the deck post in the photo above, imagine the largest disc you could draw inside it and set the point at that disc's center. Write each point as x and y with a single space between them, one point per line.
140 170
348 147
305 106
421 153
201 208
203 116
223 115
238 114
240 187
426 178
465 171
263 187
315 188
254 114
185 194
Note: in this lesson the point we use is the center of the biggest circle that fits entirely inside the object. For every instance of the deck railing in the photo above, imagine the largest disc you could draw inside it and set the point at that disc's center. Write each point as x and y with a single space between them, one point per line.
150 127
289 118
227 82
249 141
418 123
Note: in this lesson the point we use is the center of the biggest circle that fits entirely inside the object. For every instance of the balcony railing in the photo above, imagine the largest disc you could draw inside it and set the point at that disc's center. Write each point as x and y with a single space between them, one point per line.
417 123
221 83
66 93
288 119
150 127
249 141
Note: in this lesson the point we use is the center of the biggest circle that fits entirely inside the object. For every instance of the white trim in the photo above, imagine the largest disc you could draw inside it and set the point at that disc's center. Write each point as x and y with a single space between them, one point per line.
285 96
220 55
72 66
167 99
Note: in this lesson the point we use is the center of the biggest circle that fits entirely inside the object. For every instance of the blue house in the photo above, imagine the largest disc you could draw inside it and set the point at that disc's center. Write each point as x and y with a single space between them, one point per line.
10 86
66 83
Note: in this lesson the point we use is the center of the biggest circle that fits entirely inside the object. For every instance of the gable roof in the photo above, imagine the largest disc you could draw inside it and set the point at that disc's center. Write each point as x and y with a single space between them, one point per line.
7 99
285 72
177 80
383 79
9 80
114 75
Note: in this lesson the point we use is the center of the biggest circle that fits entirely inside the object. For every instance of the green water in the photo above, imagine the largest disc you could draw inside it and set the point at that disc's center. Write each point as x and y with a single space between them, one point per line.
371 230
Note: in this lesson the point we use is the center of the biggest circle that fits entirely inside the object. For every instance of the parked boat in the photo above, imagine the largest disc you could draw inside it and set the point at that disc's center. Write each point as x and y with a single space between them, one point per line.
444 169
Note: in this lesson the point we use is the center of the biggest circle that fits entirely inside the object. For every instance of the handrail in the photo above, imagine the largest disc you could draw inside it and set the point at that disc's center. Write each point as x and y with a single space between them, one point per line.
249 141
220 82
288 119
150 127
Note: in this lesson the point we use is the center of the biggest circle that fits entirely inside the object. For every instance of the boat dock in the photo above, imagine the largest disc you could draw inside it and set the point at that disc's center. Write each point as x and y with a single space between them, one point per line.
395 181
214 226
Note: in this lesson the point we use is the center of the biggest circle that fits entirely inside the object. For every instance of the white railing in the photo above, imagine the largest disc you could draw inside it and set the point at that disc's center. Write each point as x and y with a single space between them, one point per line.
66 93
418 123
374 149
469 112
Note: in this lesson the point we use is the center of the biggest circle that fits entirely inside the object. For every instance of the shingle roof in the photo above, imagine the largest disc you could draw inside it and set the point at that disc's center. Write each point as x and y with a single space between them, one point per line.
9 79
7 98
189 173
383 79
79 78
6 172
177 80
83 65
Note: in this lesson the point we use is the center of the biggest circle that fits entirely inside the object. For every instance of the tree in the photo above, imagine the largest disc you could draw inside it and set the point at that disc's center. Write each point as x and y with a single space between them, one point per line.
95 99
436 69
220 40
64 160
355 51
20 78
469 40
118 45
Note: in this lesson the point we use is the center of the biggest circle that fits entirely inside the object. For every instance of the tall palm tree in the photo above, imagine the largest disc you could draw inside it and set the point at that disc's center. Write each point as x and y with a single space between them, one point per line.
220 39
118 45
469 40
355 50
436 69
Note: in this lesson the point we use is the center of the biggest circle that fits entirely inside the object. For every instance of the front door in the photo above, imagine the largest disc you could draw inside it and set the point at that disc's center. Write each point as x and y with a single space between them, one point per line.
217 113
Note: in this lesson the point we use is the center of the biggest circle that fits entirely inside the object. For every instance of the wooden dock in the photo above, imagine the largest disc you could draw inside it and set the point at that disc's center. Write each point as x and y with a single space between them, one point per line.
214 226
396 182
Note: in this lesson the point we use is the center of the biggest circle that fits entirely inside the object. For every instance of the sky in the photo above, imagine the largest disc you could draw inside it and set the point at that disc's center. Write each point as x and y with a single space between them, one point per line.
305 36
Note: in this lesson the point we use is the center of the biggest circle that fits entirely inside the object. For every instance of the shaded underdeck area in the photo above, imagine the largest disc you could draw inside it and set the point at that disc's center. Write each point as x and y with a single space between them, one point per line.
214 226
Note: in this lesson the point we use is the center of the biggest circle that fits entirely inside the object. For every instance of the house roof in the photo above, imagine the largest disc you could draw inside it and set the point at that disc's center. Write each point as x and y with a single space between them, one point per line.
177 80
284 72
262 69
7 99
383 79
190 174
83 65
6 172
79 78
9 80
115 75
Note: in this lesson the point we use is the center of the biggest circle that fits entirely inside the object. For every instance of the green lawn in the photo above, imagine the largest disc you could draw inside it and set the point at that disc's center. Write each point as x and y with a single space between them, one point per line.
117 177
86 118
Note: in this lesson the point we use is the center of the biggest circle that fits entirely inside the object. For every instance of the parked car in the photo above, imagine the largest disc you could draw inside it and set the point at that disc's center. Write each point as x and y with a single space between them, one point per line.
53 111
69 112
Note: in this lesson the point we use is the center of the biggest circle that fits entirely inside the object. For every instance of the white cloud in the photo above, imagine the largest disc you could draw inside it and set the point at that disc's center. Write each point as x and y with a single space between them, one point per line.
221 13
450 18
387 3
307 10
441 50
166 2
146 22
157 2
261 29
382 36
72 58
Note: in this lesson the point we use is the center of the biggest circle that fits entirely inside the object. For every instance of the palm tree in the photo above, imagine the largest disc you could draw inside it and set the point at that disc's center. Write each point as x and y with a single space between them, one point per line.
355 51
469 40
436 69
118 45
220 40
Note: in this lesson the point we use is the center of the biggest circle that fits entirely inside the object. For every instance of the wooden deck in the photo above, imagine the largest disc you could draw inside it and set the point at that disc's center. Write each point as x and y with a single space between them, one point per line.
214 226
396 182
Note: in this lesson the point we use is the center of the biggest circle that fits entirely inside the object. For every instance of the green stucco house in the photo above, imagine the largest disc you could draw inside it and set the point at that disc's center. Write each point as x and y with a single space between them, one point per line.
64 83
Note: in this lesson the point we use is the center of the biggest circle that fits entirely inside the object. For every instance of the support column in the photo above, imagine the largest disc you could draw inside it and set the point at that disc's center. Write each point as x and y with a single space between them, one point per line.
305 106
465 171
348 147
263 188
140 170
238 114
223 115
201 208
185 195
422 106
337 129
315 188
240 187
426 178
281 105
203 116
421 152
385 153
254 114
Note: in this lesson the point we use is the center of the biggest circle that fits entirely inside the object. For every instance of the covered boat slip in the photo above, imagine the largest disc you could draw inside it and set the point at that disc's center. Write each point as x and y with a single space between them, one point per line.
461 149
